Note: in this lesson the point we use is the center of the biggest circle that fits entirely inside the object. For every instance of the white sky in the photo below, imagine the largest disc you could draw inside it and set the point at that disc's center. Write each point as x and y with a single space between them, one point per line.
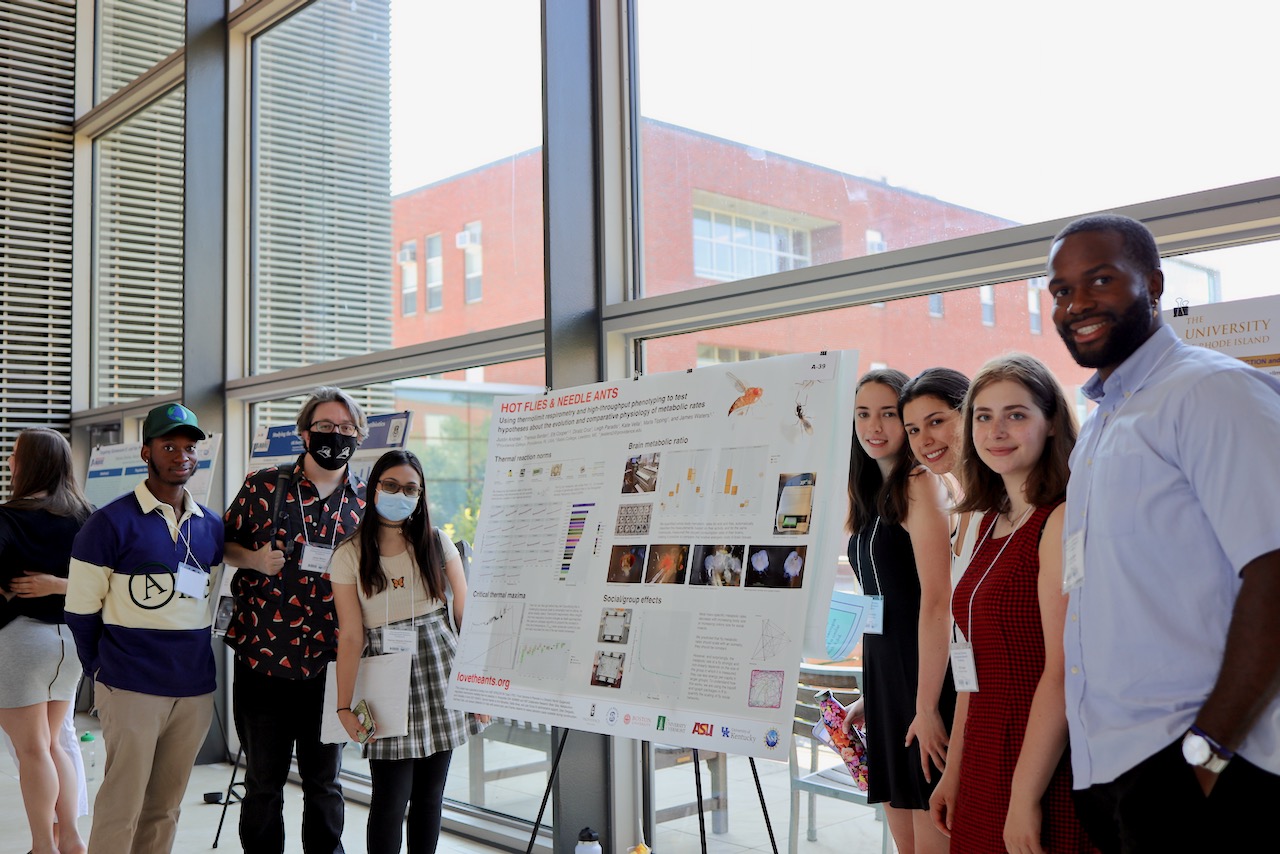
1025 110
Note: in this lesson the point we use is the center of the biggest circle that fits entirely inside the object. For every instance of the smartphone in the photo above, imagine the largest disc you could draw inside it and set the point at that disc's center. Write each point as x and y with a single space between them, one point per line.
365 719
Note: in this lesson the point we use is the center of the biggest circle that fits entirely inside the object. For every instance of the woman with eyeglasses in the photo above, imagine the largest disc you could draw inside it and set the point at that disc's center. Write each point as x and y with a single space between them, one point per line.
389 587
41 670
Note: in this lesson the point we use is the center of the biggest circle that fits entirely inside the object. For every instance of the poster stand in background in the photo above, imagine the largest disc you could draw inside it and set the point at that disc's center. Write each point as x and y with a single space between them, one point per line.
115 470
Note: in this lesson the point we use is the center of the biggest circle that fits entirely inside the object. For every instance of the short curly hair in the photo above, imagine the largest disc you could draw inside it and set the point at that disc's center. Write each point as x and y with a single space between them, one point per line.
1139 244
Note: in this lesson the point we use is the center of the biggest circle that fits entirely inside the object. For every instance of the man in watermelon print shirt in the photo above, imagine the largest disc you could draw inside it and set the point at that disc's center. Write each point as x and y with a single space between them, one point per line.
280 530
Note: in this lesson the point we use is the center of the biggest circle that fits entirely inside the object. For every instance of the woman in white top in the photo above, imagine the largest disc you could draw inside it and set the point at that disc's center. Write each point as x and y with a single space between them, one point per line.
930 408
389 585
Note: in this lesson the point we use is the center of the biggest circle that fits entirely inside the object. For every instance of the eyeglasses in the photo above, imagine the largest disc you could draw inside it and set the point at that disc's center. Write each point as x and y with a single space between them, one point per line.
346 428
391 487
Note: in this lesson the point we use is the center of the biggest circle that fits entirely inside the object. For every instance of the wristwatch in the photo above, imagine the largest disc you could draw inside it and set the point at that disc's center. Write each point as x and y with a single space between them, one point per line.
1199 749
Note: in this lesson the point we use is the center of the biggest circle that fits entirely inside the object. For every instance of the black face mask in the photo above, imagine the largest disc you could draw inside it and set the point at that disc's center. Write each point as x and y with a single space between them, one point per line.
331 451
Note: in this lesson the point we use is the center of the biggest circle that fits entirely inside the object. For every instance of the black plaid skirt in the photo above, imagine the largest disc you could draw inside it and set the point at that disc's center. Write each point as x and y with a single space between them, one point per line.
432 727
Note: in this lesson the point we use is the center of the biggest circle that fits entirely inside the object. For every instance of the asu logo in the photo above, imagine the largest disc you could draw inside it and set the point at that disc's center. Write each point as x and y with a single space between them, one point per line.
704 729
397 583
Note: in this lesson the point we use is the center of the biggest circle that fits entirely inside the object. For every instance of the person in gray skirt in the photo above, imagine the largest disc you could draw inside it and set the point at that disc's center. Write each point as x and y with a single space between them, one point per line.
389 589
41 671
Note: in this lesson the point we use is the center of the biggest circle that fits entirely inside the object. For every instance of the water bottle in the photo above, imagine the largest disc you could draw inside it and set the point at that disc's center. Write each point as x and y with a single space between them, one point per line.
588 842
89 751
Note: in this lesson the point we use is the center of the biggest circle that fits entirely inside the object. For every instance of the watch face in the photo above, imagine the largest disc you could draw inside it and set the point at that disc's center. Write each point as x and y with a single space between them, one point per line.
1195 749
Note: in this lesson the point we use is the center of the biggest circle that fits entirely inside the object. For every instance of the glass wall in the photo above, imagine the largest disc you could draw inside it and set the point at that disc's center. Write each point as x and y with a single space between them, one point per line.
134 35
396 198
769 142
137 270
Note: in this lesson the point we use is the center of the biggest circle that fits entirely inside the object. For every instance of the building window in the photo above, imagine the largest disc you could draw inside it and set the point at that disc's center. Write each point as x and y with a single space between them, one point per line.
435 273
731 246
1034 287
468 240
408 259
935 305
987 296
875 242
710 354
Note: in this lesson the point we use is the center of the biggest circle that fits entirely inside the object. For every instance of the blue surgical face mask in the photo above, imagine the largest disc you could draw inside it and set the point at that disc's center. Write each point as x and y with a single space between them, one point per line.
395 508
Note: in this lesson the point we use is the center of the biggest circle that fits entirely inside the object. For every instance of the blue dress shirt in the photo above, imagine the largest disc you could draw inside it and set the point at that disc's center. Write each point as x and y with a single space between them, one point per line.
1175 480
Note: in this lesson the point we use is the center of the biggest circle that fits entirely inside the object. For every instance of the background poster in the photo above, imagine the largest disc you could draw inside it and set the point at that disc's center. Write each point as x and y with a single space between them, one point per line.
649 552
273 446
117 469
1240 328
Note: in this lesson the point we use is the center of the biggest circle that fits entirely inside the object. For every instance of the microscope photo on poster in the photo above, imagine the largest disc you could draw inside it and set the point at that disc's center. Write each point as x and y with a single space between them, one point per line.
649 552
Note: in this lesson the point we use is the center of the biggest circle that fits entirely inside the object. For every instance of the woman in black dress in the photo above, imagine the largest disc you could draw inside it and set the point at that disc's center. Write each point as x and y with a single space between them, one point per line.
41 671
900 551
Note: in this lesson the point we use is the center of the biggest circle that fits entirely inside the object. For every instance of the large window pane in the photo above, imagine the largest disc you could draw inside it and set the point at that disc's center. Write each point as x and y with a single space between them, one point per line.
322 273
134 35
870 132
382 125
137 272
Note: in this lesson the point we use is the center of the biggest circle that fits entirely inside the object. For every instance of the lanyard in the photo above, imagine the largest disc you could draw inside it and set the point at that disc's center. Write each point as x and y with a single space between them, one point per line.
333 535
413 570
176 531
995 559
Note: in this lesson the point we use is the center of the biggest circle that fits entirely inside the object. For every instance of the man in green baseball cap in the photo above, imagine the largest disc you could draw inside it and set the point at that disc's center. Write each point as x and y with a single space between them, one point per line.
171 418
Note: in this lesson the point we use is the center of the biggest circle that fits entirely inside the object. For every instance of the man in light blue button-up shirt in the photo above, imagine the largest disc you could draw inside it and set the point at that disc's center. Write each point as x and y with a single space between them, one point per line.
1172 557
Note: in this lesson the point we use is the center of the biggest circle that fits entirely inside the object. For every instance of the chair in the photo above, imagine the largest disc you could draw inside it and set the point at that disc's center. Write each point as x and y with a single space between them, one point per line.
833 782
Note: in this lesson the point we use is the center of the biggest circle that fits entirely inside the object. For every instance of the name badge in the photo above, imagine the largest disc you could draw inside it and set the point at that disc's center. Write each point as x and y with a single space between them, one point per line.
315 559
193 581
1073 561
964 670
873 613
399 640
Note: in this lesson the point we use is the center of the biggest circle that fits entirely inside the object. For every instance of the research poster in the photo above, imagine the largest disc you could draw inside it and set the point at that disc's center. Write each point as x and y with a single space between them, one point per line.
117 469
1240 328
654 556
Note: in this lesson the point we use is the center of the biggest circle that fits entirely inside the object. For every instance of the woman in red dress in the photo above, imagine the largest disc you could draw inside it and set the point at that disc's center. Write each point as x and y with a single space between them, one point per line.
1007 783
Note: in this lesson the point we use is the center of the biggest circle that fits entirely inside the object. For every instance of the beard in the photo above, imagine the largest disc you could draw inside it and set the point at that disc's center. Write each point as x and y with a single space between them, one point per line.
1128 332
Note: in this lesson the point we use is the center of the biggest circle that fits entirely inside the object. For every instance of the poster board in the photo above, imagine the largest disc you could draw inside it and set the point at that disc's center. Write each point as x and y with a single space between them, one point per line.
116 469
1240 328
650 550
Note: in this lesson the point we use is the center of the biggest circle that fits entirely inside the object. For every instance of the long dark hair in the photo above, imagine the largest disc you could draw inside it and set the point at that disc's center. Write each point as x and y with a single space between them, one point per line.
870 493
984 489
418 531
43 462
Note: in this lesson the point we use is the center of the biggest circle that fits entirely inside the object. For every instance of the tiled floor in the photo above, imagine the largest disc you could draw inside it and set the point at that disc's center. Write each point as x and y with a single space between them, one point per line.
842 828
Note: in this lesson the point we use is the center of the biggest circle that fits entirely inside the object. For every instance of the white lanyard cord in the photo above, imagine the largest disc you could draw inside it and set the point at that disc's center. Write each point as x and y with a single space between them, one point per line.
857 554
995 559
413 570
176 530
302 513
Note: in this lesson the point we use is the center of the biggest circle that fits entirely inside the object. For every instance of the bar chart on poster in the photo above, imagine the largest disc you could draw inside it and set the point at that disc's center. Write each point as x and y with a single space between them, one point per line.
649 552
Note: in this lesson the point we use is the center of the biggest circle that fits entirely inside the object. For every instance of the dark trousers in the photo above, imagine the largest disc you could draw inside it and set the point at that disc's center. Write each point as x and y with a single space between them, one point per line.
1158 806
417 784
274 718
